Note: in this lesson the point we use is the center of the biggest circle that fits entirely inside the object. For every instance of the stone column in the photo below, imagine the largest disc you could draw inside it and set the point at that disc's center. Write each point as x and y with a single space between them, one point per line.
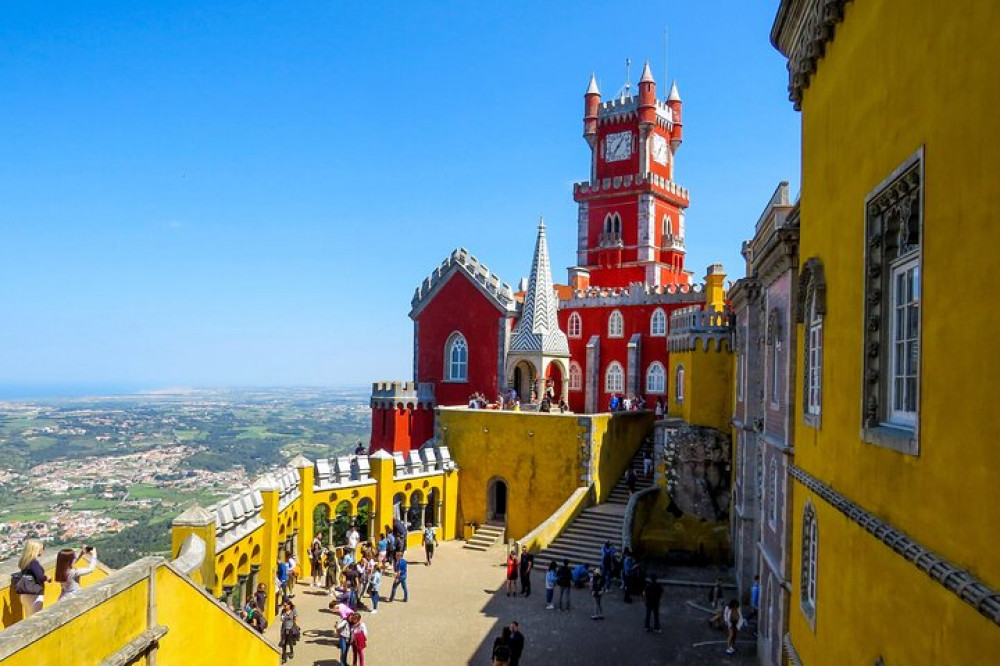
242 599
437 513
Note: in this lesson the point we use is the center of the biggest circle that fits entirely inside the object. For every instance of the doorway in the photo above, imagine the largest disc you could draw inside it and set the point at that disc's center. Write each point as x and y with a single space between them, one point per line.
496 498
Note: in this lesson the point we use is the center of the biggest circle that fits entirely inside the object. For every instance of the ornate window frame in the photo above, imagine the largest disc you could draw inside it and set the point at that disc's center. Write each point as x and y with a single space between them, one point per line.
574 326
614 378
658 324
575 377
810 563
456 370
616 324
656 372
811 312
774 339
893 239
679 384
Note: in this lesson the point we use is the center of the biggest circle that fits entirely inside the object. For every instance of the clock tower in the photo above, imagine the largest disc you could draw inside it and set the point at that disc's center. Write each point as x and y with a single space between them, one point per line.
631 212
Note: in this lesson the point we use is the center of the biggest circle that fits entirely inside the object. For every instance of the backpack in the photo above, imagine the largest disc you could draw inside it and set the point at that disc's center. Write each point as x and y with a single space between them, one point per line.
597 583
563 577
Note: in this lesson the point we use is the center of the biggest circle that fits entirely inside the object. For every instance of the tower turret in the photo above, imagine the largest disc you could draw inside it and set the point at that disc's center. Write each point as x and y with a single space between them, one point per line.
591 106
647 96
677 131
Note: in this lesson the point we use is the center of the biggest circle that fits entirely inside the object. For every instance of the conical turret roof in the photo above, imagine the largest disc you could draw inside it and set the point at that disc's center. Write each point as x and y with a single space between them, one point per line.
538 328
674 96
647 74
592 89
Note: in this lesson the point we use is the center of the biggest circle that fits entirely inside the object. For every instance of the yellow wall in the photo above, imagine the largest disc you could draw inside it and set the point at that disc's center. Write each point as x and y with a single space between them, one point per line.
708 386
10 603
660 531
890 83
538 456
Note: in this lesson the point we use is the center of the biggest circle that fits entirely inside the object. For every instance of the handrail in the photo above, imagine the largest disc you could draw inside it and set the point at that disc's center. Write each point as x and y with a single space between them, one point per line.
628 523
540 537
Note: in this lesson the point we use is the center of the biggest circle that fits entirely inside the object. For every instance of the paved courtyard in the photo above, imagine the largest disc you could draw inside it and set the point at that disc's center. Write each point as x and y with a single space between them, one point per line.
456 608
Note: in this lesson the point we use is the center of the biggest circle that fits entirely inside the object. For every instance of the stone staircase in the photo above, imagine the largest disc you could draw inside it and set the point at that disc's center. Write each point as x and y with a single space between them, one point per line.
582 540
488 534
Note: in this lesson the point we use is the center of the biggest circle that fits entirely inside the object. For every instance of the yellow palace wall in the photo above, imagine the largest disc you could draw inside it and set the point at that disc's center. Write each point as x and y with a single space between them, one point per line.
10 603
894 80
708 386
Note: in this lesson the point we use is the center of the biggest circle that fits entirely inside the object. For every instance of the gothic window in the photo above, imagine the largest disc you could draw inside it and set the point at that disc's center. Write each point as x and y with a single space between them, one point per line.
774 354
616 325
614 378
810 552
457 355
575 377
612 223
668 230
658 323
679 384
574 326
656 378
812 308
893 232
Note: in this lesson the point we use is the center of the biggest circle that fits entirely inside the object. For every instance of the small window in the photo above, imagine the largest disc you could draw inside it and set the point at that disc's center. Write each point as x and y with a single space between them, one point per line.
616 325
668 229
614 378
810 553
814 354
811 309
574 326
773 499
658 323
575 377
774 331
656 378
905 351
679 384
457 355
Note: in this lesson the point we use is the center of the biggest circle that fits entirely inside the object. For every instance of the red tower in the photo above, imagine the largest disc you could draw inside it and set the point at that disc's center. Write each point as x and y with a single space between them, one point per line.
631 212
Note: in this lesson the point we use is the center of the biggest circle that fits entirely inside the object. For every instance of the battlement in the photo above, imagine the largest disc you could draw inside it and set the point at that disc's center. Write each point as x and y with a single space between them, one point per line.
627 108
460 259
648 179
637 293
692 326
389 394
236 517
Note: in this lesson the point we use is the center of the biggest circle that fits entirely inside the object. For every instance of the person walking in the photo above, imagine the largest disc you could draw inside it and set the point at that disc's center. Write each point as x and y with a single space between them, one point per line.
550 585
316 561
755 597
516 644
501 648
67 575
564 581
359 639
282 579
527 564
374 583
717 603
345 635
430 541
607 564
653 592
630 480
289 631
647 464
512 571
31 579
734 622
400 581
597 591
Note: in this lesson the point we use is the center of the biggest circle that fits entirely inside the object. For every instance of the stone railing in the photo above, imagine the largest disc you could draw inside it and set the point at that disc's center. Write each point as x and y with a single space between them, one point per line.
426 460
636 294
690 326
342 471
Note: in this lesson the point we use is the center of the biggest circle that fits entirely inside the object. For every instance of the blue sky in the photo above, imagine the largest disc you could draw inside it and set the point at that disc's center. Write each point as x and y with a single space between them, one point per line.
246 193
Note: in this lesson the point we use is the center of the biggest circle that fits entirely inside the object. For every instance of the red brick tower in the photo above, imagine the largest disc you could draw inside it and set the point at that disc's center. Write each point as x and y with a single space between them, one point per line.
631 212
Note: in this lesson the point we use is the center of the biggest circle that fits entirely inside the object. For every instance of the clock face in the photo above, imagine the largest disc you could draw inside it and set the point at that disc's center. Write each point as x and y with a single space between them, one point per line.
618 146
660 149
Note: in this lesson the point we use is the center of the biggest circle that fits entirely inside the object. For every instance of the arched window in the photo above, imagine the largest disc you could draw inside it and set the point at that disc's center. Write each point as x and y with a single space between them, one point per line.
656 378
614 378
810 553
574 327
679 384
575 377
617 224
457 358
658 323
616 325
612 223
811 309
668 228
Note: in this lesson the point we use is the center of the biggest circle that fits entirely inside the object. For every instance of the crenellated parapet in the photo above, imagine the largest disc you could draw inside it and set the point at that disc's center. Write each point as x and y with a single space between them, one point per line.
393 394
693 327
648 180
626 109
236 517
460 259
637 293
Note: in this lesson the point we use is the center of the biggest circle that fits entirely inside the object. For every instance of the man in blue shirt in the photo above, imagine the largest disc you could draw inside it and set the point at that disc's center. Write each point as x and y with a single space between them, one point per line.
401 570
283 578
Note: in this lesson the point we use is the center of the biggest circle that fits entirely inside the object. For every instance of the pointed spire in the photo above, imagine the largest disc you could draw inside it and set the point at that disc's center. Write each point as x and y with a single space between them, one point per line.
538 328
592 89
674 96
647 74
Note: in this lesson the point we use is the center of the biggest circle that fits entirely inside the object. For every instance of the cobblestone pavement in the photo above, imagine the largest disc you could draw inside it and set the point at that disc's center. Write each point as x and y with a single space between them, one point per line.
456 608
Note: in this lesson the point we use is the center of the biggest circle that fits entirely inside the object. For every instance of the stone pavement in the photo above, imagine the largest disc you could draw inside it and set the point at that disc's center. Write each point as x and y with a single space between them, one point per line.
456 608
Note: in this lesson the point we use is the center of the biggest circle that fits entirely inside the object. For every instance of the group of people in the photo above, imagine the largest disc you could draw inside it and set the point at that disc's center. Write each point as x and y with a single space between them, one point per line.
508 646
634 403
29 582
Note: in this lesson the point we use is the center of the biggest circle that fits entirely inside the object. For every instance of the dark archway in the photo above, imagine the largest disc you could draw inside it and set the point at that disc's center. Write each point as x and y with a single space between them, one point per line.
497 500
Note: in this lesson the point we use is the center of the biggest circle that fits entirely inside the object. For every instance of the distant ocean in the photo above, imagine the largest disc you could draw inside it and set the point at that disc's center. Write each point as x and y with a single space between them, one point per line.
41 391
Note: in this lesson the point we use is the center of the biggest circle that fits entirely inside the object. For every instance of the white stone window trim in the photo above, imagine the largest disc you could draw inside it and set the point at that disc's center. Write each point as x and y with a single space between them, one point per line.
810 563
903 417
616 324
814 352
456 369
658 324
679 384
614 378
574 326
575 377
656 378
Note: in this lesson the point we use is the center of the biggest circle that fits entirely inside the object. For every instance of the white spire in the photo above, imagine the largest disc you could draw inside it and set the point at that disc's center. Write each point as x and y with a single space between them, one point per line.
674 96
647 74
538 328
592 89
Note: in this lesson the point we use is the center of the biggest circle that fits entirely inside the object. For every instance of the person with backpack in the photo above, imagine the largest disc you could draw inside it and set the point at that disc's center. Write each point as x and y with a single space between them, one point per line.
550 585
597 591
345 636
359 639
653 592
564 581
501 648
430 541
289 630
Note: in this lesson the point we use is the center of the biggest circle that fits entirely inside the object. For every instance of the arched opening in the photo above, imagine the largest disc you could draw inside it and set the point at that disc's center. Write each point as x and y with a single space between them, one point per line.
322 523
523 381
415 514
554 382
496 500
398 501
341 522
366 519
431 514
